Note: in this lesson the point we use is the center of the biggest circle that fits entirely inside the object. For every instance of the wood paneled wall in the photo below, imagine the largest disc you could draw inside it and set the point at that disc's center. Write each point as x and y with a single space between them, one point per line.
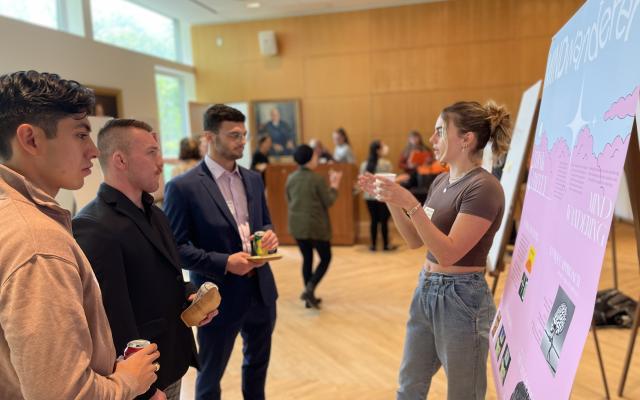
380 73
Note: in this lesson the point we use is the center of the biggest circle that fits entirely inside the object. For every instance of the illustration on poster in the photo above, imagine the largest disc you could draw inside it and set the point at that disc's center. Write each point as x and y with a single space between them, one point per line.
556 329
559 319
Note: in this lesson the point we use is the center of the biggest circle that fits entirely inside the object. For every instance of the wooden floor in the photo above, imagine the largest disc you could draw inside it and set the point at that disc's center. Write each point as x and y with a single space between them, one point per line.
351 349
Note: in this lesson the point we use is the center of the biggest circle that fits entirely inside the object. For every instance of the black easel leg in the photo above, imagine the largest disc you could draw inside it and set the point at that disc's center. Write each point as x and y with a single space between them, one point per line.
604 376
632 342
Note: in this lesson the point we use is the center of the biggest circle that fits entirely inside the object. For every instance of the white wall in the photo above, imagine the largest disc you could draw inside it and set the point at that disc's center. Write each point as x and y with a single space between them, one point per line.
25 46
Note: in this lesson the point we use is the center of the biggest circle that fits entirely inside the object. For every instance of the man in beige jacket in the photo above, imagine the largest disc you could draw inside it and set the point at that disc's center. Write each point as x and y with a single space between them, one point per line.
55 341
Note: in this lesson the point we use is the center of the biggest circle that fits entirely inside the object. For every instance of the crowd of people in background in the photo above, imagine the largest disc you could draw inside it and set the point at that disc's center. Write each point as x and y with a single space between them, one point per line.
416 167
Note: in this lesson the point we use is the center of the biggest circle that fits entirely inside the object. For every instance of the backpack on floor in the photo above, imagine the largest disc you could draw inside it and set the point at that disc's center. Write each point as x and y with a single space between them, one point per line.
613 308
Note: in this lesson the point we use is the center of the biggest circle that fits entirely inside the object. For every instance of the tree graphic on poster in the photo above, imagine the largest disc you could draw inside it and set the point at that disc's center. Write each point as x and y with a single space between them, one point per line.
559 320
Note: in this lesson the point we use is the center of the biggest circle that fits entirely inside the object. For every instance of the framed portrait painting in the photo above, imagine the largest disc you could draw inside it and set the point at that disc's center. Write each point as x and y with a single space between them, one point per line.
279 120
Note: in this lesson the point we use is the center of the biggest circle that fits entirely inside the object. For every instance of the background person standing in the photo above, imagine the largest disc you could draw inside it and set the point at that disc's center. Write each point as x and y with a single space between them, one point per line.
342 152
378 211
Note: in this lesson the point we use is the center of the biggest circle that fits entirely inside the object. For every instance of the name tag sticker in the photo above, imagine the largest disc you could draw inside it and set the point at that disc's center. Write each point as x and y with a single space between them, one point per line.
429 211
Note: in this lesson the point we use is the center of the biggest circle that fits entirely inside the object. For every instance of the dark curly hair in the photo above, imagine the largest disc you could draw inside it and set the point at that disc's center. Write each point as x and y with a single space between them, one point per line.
41 99
217 114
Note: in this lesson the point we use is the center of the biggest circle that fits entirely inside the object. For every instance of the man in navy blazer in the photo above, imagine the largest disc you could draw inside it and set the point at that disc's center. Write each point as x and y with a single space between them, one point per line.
213 210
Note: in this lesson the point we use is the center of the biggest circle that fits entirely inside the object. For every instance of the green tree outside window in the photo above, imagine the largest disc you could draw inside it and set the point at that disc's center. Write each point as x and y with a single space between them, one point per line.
133 27
171 110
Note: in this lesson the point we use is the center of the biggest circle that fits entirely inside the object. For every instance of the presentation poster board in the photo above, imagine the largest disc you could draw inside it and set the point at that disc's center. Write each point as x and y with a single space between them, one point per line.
512 170
586 115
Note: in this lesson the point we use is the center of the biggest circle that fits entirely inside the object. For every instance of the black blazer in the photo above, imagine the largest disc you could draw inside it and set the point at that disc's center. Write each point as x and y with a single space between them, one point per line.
139 272
207 234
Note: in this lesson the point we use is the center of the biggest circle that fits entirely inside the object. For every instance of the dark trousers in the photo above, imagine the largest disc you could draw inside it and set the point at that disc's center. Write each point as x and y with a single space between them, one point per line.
324 251
216 342
379 216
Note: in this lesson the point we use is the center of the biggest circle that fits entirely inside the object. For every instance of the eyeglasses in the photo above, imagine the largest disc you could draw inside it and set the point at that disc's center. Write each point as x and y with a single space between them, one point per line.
237 136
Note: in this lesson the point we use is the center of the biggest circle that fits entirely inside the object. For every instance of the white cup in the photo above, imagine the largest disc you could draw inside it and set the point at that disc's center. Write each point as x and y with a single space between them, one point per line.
385 175
379 177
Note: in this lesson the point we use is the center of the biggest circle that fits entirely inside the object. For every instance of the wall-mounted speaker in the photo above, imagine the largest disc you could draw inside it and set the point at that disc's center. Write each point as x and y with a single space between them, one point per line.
268 43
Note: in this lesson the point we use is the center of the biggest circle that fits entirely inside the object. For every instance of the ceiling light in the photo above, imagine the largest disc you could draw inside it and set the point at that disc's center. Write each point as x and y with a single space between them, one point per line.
253 4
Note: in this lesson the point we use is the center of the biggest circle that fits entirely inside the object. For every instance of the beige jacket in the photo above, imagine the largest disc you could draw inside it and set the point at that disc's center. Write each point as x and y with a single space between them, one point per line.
55 340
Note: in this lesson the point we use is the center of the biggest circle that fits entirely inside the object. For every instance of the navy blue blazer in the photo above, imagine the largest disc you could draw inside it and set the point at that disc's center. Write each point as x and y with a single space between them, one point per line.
207 233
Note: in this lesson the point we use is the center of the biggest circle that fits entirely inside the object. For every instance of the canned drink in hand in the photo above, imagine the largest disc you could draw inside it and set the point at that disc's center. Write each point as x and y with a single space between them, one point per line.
256 244
135 346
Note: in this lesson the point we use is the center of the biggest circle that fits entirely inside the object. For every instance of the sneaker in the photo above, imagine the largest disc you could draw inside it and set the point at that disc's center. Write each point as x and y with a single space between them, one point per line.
390 247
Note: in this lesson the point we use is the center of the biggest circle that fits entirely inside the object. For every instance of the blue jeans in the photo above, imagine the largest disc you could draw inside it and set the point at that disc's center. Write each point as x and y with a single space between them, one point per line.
448 326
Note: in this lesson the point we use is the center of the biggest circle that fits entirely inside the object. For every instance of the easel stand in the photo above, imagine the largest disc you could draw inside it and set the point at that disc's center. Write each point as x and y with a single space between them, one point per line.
631 168
600 362
632 342
509 215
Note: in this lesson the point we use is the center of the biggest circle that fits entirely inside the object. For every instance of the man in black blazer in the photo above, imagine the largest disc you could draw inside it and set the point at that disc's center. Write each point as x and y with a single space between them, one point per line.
131 248
213 210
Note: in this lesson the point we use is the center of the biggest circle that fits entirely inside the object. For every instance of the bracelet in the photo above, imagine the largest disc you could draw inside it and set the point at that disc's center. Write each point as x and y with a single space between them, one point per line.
413 210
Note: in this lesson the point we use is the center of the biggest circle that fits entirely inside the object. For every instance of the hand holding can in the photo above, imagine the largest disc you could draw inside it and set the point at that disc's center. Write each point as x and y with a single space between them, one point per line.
140 365
135 346
269 242
256 244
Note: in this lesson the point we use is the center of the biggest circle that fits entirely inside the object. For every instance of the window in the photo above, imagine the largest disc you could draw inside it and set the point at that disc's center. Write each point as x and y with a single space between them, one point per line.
124 24
39 12
172 104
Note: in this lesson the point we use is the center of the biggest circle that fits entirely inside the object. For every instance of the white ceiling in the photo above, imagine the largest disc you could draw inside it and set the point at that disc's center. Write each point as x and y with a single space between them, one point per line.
224 11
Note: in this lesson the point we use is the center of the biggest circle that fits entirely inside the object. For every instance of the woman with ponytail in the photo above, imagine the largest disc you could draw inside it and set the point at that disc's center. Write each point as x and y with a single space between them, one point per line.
452 307
378 211
342 152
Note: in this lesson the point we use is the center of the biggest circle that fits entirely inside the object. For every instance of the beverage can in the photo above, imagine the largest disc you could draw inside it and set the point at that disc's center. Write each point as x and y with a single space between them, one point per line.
256 244
135 346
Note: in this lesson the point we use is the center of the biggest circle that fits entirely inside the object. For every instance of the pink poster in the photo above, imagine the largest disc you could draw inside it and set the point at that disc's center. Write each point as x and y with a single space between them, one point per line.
587 111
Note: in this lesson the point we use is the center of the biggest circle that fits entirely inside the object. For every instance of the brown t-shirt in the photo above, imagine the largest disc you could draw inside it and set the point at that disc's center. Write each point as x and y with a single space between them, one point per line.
478 193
